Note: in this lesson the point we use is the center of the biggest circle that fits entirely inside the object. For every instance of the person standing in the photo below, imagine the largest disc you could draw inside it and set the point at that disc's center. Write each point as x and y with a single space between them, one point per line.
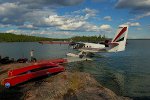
31 55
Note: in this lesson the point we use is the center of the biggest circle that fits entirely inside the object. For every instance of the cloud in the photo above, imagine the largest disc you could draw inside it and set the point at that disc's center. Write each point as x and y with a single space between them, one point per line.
2 26
37 15
90 12
108 18
133 23
76 23
28 26
105 27
49 33
11 13
133 4
39 3
11 31
49 18
91 28
40 16
69 23
98 0
68 2
87 12
139 7
56 33
15 31
55 20
10 9
73 26
24 10
146 14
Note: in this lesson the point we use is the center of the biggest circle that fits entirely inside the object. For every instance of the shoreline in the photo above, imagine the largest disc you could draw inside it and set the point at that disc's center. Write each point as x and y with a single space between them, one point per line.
75 83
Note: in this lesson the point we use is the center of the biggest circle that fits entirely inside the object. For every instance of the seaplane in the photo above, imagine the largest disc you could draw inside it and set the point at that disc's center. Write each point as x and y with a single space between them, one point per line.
117 44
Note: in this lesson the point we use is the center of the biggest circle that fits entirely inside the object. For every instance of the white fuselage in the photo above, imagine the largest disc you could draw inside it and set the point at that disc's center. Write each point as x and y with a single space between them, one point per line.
92 47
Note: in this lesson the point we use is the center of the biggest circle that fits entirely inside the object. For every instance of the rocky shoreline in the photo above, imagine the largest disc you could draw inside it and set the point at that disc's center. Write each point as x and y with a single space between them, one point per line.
62 86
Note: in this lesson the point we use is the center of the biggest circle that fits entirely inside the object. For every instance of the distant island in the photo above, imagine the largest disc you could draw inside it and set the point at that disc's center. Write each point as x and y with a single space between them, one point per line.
10 37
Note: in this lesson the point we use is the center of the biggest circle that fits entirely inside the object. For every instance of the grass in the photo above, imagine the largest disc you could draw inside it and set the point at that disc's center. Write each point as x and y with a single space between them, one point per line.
75 81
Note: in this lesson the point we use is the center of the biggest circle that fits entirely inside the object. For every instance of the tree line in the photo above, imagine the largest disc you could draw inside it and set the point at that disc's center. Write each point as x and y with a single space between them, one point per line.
88 38
10 37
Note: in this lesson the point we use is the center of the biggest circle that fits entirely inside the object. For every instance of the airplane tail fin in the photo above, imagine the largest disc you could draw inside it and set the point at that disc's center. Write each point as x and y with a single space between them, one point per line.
118 43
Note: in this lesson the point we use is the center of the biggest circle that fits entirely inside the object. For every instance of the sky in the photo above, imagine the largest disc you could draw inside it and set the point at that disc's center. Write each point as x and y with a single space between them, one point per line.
68 18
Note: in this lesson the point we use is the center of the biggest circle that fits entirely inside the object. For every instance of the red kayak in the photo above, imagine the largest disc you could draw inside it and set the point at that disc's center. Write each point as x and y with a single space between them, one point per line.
24 74
14 80
29 68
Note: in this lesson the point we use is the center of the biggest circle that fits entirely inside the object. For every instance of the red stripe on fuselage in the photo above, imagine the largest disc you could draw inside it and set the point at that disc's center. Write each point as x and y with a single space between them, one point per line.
121 32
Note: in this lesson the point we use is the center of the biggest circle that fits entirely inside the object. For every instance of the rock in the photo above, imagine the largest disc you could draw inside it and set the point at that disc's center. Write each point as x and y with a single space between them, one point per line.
68 86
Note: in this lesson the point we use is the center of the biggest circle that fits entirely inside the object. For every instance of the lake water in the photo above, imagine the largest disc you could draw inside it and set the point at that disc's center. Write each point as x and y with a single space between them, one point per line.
19 50
126 73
